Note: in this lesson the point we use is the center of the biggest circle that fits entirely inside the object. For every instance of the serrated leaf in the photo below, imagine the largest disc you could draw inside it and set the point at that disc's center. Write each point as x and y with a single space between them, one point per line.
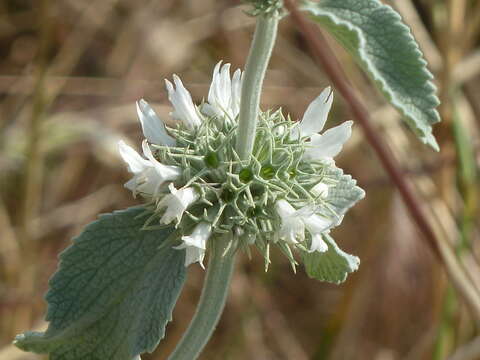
113 293
332 266
344 194
385 48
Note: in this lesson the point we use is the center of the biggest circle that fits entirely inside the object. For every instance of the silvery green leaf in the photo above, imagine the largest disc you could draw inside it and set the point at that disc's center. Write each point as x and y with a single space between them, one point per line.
332 266
385 48
345 193
113 293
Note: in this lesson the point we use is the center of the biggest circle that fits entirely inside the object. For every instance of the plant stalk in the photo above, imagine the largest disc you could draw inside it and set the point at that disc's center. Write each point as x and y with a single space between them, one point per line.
257 61
212 302
221 264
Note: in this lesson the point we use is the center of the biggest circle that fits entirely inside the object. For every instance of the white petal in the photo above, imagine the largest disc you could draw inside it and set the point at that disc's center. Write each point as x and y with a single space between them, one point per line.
135 162
149 182
176 203
213 91
320 190
193 255
316 114
221 88
196 243
199 236
318 244
330 143
224 93
166 172
306 211
236 92
284 209
153 128
317 224
292 228
182 102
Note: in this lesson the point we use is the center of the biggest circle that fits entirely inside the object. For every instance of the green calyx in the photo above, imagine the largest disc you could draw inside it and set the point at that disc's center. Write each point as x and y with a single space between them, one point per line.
238 197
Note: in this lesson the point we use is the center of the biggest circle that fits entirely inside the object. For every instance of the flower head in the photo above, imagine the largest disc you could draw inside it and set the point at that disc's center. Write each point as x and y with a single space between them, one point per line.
292 227
288 194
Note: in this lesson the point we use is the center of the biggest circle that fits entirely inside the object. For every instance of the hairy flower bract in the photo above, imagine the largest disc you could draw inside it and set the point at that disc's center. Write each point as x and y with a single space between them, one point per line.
289 193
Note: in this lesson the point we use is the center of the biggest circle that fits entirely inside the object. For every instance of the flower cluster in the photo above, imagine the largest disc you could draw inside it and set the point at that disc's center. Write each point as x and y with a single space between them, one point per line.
289 193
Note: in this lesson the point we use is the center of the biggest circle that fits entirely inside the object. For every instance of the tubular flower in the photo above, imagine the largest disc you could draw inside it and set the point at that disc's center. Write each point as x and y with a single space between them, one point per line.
289 193
294 222
176 203
196 243
148 174
327 145
224 93
292 228
181 100
153 128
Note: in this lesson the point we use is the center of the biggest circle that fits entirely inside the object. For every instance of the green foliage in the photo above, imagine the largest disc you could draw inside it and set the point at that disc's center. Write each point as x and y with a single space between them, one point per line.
332 266
344 194
374 34
113 293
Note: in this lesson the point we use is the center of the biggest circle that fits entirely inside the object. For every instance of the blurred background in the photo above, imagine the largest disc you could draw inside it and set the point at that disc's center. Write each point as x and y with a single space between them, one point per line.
70 72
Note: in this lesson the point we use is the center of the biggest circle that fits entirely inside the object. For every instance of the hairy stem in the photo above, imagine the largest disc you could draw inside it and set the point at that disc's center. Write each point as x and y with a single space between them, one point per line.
212 302
260 51
220 266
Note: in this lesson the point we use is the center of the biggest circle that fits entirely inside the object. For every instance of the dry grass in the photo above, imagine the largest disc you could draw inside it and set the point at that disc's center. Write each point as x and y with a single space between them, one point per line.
69 74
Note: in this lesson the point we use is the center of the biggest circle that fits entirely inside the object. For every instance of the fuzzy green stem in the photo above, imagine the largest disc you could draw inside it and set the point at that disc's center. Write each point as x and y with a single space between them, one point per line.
212 302
221 264
260 51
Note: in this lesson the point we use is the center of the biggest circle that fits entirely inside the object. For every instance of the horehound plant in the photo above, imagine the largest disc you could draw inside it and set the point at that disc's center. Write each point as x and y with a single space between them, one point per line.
225 178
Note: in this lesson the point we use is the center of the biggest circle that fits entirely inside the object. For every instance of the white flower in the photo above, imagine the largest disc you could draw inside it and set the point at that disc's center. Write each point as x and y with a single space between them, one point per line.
316 114
294 223
153 128
292 228
327 145
196 243
176 203
148 174
316 225
184 109
224 93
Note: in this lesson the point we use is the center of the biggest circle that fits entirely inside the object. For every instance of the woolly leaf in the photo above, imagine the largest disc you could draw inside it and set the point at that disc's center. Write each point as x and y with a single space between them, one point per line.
385 48
343 195
113 293
332 266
